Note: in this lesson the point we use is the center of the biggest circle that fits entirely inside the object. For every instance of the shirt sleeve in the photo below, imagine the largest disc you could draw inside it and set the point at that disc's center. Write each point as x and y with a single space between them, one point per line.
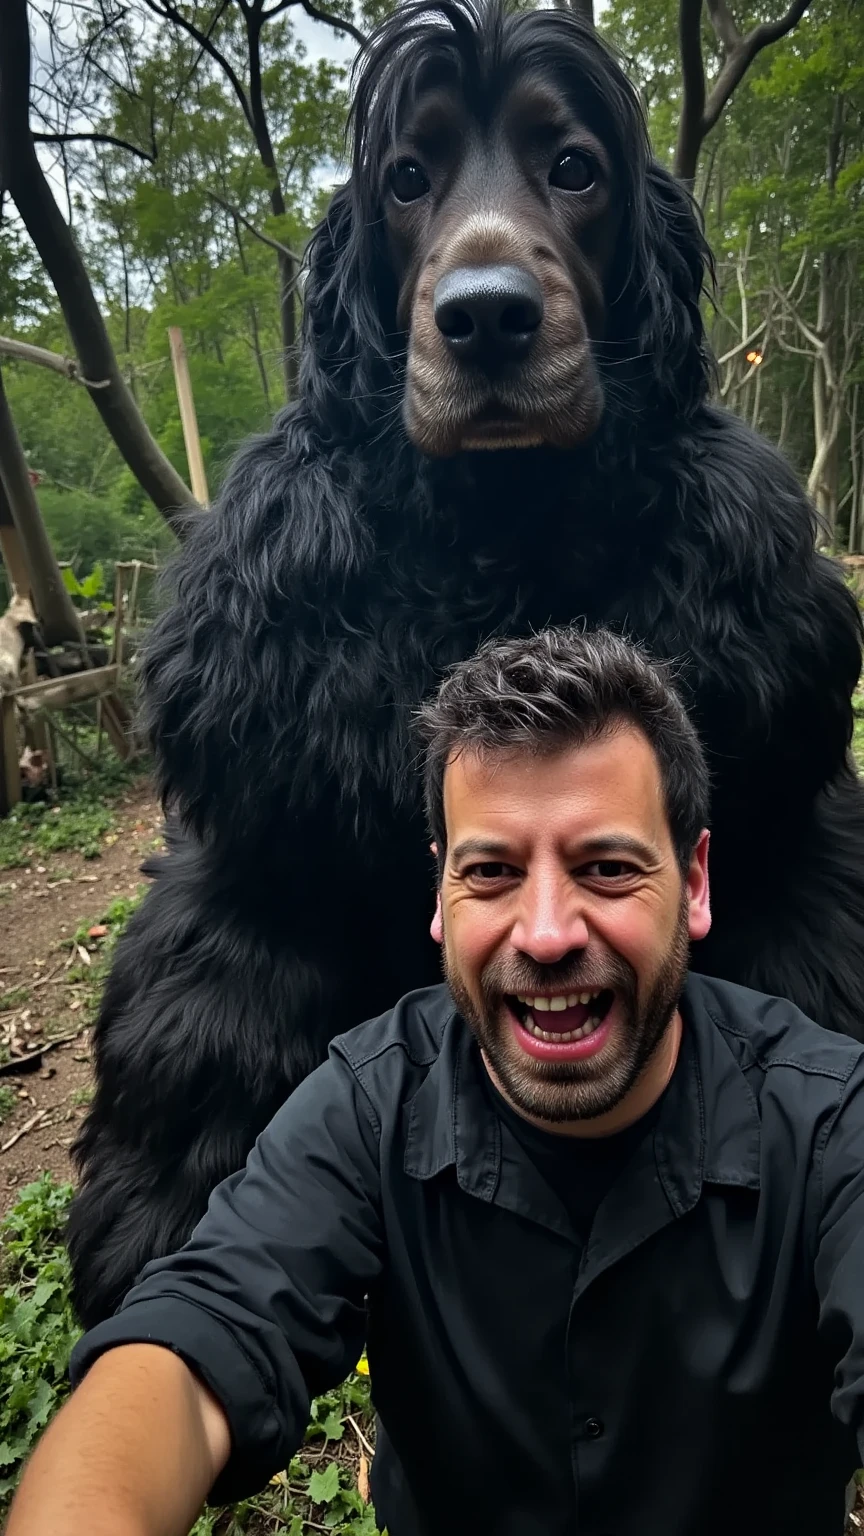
839 1264
266 1302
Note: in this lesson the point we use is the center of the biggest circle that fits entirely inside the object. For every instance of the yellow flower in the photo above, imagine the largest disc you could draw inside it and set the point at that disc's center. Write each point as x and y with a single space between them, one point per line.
362 1366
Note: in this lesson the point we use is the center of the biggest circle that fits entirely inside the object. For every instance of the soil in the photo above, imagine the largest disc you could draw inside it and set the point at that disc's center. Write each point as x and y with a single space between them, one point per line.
41 907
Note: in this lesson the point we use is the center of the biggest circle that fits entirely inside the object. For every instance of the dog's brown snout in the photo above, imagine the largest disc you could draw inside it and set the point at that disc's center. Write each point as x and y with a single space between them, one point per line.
488 314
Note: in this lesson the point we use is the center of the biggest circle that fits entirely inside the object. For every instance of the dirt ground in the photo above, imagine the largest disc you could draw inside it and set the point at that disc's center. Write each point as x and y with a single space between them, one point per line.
41 908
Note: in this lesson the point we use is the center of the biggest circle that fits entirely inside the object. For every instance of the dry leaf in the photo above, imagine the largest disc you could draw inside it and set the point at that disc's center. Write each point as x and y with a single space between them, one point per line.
82 954
98 931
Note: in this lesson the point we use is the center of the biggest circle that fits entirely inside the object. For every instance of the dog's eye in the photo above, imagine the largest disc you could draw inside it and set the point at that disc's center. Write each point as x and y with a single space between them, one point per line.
573 171
408 181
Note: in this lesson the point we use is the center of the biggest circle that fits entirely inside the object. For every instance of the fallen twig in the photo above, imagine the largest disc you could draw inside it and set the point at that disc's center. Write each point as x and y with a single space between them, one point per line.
27 1126
364 1443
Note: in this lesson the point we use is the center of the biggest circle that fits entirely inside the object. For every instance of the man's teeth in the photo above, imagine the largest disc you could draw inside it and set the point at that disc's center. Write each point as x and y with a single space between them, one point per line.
557 1004
560 1037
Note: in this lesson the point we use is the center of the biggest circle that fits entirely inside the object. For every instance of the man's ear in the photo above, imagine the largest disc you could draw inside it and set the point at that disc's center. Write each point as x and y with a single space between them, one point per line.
698 890
437 926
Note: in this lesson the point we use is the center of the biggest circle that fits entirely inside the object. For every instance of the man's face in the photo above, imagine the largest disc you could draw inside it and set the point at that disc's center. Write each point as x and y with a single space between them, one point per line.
565 919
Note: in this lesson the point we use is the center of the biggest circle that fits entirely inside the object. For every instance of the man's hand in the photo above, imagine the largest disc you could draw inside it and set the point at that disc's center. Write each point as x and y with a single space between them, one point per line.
133 1453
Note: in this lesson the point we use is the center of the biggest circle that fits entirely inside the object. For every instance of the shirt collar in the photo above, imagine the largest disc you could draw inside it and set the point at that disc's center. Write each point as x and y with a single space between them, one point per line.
708 1131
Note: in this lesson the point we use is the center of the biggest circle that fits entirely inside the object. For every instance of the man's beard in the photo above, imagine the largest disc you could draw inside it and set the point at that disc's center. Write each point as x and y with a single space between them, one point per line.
573 1090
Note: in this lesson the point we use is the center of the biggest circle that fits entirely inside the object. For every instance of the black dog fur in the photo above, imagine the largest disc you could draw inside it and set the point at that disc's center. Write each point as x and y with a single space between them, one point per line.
341 572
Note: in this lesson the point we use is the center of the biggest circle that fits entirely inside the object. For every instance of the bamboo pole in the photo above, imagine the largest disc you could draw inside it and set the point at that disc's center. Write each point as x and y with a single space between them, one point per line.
188 417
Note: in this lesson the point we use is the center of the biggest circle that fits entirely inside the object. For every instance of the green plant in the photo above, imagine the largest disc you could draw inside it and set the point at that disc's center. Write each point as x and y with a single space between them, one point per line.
7 1101
37 1325
79 822
91 589
37 1334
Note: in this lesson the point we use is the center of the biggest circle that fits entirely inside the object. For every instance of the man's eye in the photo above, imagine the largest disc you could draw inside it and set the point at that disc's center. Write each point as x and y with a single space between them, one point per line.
609 869
490 871
408 181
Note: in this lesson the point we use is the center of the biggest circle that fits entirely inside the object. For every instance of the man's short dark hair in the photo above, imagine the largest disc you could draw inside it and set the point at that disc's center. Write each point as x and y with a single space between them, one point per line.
563 688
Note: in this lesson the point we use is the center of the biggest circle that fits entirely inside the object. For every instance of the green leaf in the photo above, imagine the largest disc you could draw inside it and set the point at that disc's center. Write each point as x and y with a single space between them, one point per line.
71 582
93 584
332 1426
324 1486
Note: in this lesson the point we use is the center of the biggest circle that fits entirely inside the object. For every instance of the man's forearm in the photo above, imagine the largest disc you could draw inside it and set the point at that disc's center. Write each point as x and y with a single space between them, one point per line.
134 1452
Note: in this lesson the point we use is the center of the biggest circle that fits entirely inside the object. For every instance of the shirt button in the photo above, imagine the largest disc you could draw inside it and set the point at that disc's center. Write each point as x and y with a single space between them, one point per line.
594 1428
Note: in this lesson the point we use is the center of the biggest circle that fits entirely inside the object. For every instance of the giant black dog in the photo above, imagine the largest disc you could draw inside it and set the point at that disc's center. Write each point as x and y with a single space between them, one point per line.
503 421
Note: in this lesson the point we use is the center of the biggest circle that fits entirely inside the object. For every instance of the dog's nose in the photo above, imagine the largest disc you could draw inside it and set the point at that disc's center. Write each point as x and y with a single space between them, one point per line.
488 314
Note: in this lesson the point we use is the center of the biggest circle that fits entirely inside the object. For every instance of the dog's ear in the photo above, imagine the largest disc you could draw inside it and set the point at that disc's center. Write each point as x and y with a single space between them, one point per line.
670 264
349 308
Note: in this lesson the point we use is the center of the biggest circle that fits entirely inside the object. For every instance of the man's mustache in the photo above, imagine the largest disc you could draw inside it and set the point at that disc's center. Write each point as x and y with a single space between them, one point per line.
575 973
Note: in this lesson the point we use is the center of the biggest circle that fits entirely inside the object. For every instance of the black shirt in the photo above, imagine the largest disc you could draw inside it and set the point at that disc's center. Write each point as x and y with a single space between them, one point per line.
696 1369
580 1170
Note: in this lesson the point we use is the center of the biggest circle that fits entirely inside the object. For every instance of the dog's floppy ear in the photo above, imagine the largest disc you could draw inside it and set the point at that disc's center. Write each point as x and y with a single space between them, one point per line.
670 263
349 306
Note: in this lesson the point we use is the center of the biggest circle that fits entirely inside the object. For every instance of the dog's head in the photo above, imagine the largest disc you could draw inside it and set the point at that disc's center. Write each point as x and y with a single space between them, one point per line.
506 263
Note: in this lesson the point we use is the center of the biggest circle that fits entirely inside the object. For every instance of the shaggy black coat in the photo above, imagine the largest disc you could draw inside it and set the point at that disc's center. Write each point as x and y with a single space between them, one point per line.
319 602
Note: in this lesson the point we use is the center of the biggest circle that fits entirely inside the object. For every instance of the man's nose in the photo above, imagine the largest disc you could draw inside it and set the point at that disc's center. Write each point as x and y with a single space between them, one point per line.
488 314
551 922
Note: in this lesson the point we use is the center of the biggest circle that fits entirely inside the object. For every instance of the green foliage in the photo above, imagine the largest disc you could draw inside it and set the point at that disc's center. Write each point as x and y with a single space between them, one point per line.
31 830
7 1099
37 1334
92 586
37 1325
80 821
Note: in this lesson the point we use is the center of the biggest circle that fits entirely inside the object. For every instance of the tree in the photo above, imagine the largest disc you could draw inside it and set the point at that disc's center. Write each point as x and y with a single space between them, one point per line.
22 175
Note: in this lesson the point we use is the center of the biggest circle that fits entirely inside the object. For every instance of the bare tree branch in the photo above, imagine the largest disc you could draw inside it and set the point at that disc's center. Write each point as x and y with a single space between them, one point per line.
698 114
740 57
724 24
93 138
168 12
337 22
690 133
70 369
275 245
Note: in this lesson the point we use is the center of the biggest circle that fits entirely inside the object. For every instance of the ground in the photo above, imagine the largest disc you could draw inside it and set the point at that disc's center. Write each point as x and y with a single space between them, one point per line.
47 988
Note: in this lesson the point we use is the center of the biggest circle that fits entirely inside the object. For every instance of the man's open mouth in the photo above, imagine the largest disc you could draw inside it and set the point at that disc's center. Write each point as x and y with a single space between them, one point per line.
561 1018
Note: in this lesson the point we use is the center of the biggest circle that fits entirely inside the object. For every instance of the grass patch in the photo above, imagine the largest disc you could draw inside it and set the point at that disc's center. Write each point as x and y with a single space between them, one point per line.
78 822
16 997
38 1332
8 1100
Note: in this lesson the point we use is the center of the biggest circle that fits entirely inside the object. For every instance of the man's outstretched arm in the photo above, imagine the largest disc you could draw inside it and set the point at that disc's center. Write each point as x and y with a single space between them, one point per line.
133 1453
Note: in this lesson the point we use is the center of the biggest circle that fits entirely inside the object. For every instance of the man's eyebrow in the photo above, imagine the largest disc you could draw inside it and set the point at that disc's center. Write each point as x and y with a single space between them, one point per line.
619 843
479 847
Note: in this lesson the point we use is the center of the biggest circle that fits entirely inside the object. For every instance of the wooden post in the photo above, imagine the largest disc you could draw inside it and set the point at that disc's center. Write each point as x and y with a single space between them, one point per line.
10 773
188 416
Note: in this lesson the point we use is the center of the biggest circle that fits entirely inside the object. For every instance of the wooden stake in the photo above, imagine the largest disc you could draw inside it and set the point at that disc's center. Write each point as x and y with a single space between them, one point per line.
10 773
187 415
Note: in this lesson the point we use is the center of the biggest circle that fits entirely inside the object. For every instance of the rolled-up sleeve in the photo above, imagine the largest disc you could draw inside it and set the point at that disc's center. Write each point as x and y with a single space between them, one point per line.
266 1302
839 1267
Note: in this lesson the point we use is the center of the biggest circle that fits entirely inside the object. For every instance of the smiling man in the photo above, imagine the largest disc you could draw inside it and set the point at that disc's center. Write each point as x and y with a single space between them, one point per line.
601 1222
